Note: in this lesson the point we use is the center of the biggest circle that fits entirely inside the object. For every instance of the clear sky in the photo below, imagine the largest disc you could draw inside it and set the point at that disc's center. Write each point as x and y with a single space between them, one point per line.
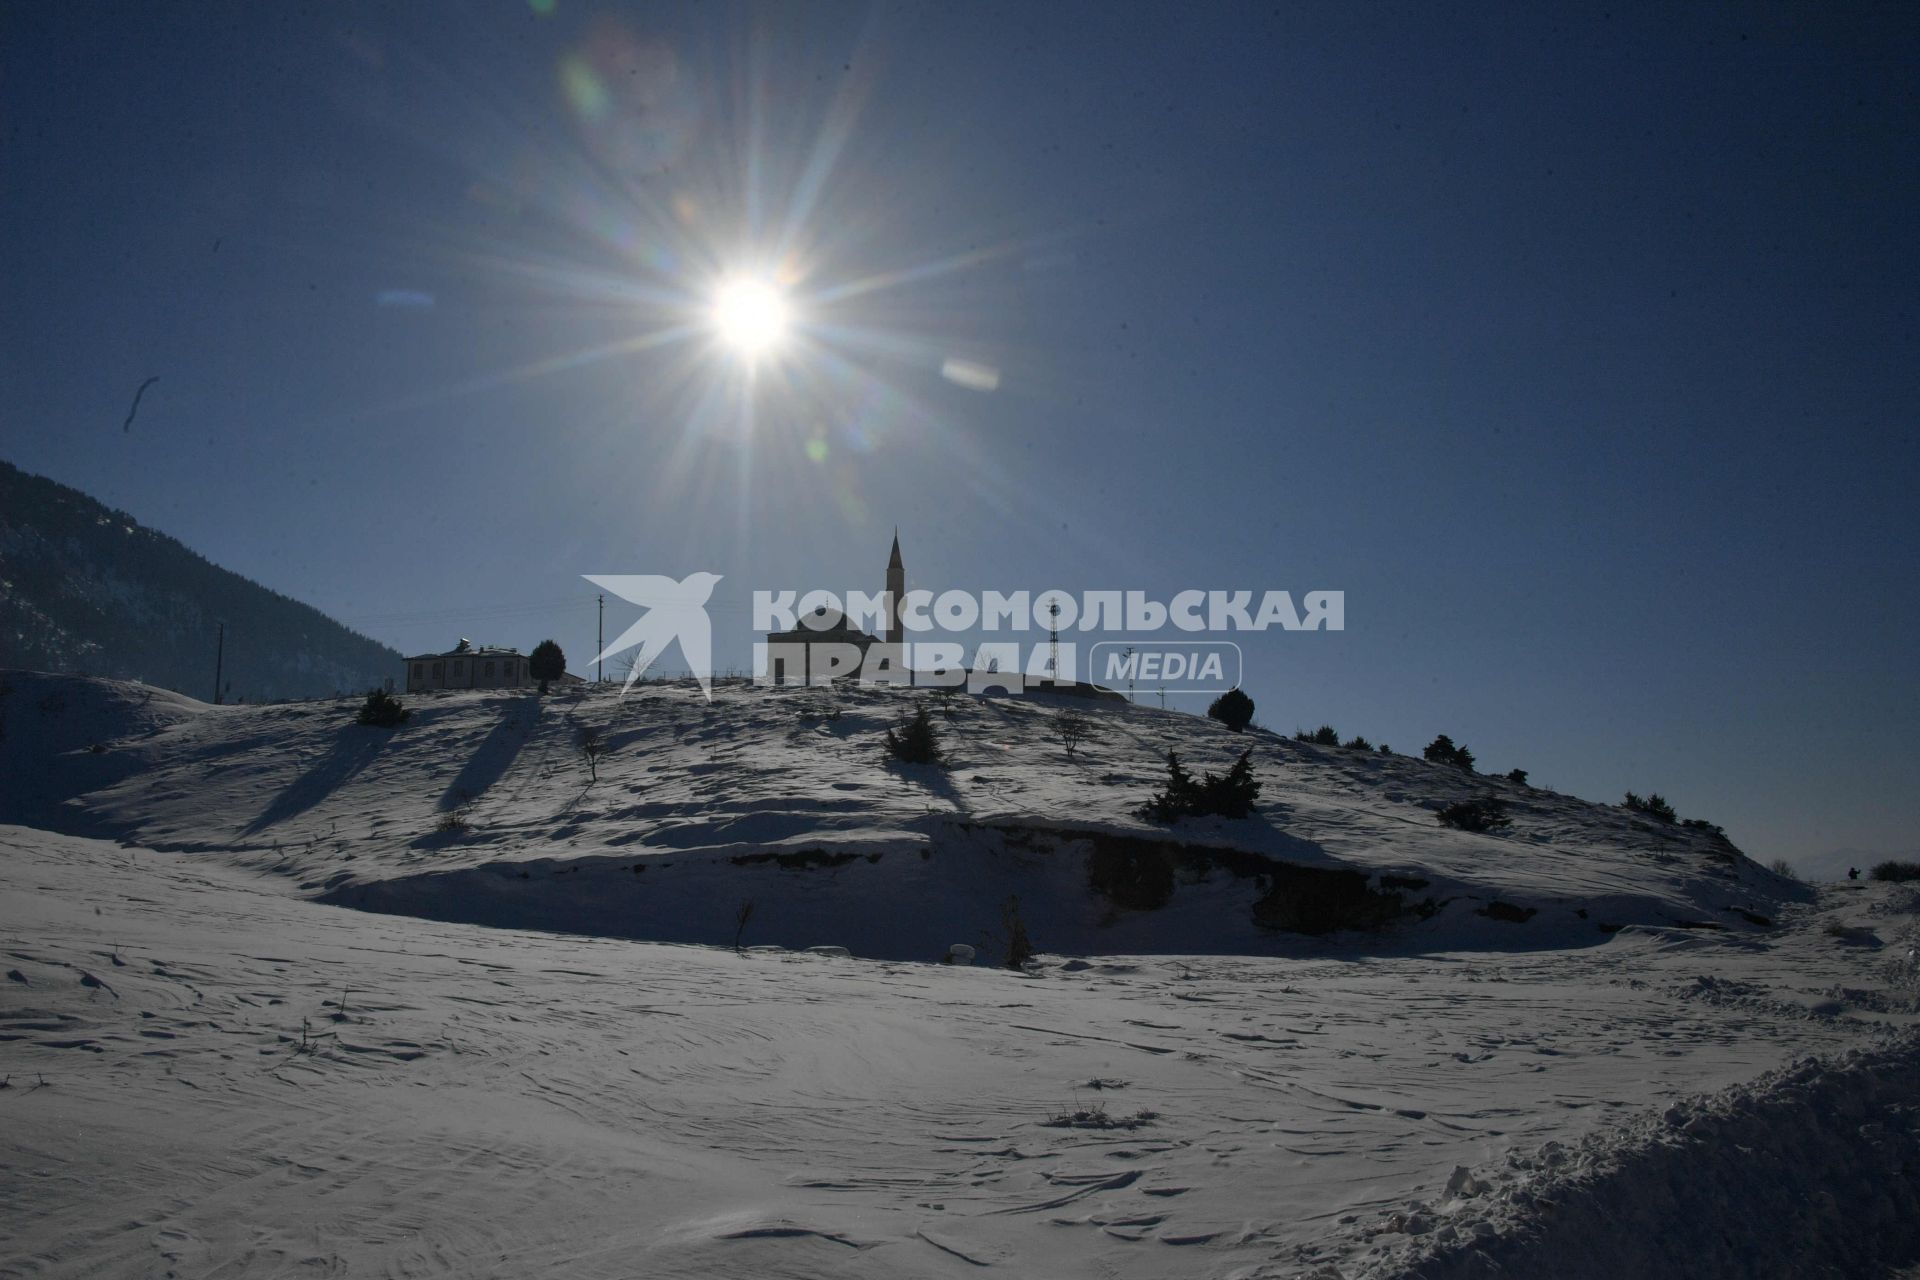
1576 345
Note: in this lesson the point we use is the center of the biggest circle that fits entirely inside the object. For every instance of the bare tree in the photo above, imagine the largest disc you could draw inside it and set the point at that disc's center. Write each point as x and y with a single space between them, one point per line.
592 746
1072 729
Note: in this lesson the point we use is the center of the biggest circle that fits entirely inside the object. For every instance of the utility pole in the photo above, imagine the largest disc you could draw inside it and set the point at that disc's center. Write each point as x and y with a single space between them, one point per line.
1163 697
219 663
1127 657
1053 639
601 648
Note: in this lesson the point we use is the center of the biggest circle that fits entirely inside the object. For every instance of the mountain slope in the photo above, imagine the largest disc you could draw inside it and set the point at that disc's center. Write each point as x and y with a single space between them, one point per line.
86 588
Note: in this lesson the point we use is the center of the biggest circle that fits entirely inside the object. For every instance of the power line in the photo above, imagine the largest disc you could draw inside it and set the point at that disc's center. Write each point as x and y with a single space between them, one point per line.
458 613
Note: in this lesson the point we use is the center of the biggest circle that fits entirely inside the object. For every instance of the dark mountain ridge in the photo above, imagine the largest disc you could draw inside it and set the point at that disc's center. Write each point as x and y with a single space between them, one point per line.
88 589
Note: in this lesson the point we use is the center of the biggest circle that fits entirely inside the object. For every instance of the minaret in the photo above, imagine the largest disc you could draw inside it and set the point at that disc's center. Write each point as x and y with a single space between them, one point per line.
896 593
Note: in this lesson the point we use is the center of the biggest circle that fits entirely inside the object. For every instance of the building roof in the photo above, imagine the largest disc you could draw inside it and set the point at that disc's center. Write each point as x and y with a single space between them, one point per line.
823 624
489 651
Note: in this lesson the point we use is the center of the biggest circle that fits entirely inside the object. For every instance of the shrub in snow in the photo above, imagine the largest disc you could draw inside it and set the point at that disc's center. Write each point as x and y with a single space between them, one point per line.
1233 709
1019 945
1097 1117
382 710
1517 775
1781 867
943 695
1482 813
915 742
1443 751
592 747
1895 872
1358 743
1654 806
1324 736
1231 795
958 953
546 663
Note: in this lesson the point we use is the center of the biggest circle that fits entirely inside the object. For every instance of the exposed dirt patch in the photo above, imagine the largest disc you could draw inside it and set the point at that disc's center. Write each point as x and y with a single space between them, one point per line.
800 858
1507 911
1142 873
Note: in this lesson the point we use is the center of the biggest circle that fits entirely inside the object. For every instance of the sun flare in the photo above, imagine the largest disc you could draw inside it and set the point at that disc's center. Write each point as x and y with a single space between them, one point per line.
751 315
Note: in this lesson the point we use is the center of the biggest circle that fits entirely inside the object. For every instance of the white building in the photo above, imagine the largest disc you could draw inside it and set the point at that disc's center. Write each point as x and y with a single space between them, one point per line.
465 667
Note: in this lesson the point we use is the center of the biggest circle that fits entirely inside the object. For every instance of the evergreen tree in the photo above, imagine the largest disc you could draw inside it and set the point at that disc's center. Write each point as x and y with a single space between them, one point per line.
382 710
1443 751
546 663
1233 709
1176 800
915 742
1654 806
1231 795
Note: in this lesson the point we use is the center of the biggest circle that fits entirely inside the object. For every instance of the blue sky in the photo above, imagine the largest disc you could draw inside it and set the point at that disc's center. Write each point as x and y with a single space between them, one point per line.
1578 349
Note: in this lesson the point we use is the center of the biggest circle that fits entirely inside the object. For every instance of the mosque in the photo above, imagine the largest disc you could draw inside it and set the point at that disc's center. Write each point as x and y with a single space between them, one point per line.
800 656
826 626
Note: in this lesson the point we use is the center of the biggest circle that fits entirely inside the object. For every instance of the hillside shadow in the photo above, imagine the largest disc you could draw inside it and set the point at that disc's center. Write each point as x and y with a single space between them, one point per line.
932 778
354 747
495 754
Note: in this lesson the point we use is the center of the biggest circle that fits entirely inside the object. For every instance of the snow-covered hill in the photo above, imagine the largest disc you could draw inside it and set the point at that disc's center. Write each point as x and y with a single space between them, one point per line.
207 1077
481 808
208 1067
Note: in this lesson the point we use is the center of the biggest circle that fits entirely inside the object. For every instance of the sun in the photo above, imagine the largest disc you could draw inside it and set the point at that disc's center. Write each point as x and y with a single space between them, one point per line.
751 315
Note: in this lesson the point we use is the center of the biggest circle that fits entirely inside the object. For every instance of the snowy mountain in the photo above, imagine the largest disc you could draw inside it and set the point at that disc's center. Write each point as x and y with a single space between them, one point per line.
86 588
1301 1044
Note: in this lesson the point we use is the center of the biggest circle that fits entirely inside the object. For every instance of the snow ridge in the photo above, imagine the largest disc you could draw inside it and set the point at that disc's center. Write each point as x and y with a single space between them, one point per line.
1808 1171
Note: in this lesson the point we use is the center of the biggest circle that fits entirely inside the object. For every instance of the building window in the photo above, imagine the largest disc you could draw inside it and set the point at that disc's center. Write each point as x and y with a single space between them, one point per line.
460 668
436 670
419 671
488 673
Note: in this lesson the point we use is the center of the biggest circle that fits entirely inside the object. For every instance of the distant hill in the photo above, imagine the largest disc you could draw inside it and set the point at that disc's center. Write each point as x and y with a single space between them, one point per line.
85 588
1833 864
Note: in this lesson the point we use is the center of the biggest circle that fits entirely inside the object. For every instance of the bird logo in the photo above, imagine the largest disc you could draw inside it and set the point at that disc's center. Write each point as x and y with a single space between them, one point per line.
674 611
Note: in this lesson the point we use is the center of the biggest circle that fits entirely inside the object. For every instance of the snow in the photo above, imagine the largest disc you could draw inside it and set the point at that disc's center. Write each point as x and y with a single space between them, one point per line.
214 1068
